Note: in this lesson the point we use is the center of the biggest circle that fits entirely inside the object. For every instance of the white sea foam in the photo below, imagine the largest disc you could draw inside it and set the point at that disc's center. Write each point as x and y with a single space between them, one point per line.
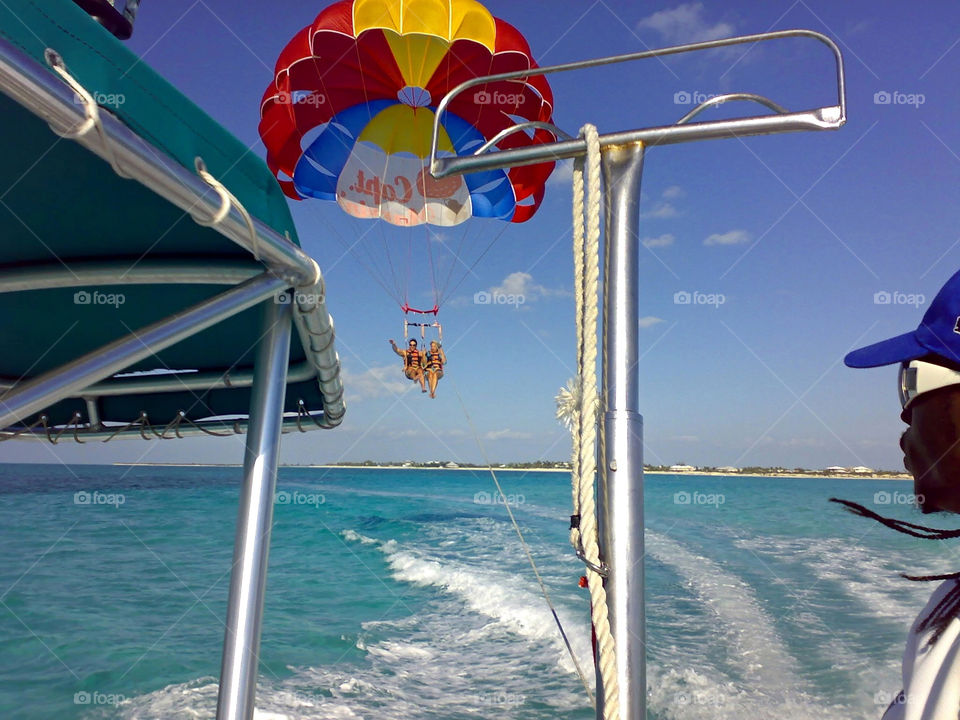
688 694
484 645
865 575
198 699
354 536
512 602
769 683
755 645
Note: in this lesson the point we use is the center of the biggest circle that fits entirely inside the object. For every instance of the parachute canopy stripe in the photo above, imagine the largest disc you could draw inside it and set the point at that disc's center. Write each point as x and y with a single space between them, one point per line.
350 113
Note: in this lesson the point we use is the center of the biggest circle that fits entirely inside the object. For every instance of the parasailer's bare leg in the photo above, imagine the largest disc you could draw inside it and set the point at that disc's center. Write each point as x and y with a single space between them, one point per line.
433 377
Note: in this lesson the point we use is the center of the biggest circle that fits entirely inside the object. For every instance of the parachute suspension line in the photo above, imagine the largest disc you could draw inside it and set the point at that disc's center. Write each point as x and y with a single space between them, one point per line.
526 549
369 266
408 271
378 272
455 259
433 269
584 532
482 255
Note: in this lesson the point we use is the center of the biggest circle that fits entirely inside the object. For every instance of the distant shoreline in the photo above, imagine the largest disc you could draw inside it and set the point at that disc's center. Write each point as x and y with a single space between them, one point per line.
483 468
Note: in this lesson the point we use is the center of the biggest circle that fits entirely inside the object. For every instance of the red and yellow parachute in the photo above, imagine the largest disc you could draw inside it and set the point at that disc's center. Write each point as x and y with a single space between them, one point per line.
350 114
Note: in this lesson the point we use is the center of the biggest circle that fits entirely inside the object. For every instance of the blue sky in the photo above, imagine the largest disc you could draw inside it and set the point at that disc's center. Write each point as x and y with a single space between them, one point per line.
797 233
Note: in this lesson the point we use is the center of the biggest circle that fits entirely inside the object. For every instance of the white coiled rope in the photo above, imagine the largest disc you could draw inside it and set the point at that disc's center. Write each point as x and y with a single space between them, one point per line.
583 397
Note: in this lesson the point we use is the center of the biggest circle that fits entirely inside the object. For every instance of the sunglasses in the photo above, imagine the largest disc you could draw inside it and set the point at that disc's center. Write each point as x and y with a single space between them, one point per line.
918 377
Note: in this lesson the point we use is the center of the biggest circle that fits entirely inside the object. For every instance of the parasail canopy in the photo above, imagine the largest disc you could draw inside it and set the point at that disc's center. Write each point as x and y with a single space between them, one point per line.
350 114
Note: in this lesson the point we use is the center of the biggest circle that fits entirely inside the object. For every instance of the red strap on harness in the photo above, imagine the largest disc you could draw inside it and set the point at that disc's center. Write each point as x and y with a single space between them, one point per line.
407 309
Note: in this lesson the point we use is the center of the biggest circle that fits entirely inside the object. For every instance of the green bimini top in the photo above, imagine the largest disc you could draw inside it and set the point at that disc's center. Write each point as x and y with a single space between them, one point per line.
63 209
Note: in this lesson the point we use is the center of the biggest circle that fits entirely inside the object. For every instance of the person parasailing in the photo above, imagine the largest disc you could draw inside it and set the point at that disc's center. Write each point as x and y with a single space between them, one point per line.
349 118
413 360
435 360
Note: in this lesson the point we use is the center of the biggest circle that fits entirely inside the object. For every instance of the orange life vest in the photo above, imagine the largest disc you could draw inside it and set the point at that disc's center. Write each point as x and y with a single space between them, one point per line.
412 359
434 360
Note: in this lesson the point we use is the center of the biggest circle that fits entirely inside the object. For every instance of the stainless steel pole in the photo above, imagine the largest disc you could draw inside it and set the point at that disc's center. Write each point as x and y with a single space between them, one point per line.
621 497
248 581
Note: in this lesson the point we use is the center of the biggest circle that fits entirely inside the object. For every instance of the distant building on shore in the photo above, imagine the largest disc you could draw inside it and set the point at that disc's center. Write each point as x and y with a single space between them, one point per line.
861 470
451 465
836 470
682 468
728 469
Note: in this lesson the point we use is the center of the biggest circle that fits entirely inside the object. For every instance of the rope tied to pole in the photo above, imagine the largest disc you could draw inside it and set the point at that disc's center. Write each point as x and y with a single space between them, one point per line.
583 399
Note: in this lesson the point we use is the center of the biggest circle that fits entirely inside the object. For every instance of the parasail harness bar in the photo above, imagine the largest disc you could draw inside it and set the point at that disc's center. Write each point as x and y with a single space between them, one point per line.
407 324
620 494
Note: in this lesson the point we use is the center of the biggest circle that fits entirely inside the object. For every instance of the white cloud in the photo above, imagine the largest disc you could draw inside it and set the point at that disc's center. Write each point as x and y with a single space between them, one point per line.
733 237
685 23
375 382
649 321
562 174
521 284
663 208
665 240
660 210
507 434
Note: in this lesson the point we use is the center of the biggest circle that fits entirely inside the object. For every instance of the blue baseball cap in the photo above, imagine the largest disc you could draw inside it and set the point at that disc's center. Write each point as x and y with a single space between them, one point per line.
937 334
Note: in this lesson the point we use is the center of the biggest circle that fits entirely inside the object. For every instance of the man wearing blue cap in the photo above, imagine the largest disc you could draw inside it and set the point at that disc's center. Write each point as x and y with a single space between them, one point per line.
929 359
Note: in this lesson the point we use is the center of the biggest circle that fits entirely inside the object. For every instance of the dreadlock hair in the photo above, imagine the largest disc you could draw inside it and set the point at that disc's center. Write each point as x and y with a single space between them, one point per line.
948 607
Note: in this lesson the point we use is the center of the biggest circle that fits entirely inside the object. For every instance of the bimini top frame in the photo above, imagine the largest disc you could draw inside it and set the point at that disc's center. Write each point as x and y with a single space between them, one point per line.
830 117
620 506
280 262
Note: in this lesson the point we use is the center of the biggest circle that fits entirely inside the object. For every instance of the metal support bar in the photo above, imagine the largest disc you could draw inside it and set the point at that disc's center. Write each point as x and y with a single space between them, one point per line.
824 118
93 412
621 501
248 581
139 384
313 321
50 276
317 335
195 429
21 402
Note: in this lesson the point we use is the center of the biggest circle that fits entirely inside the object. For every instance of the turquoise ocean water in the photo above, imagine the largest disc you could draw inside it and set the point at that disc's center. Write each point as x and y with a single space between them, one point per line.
405 594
